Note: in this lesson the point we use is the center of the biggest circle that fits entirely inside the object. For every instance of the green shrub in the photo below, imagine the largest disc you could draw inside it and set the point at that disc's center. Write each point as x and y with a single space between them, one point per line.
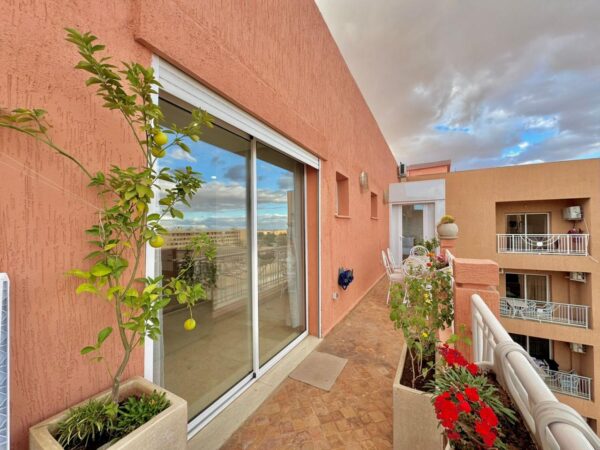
136 411
446 219
86 424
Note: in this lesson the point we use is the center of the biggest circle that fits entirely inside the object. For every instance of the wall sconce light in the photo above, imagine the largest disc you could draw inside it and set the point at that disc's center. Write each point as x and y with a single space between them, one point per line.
363 180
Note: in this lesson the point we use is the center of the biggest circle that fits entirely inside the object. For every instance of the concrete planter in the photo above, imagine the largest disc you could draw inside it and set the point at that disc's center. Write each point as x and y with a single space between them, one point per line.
166 430
415 424
447 230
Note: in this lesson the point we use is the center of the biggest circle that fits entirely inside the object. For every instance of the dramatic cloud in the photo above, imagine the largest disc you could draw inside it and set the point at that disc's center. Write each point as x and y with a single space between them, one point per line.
482 83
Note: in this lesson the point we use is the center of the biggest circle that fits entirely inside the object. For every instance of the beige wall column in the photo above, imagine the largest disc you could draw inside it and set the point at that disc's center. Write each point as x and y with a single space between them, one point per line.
473 276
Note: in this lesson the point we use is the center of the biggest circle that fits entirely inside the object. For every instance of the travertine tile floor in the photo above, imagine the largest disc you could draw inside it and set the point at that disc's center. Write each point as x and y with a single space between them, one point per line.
357 412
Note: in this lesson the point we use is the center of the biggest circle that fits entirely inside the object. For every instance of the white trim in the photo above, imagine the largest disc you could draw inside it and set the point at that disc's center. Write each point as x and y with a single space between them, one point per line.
5 322
304 222
254 258
189 90
319 248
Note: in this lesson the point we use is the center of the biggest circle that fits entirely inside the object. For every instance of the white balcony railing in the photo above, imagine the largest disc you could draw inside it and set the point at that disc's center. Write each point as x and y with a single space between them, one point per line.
552 244
539 311
553 424
569 383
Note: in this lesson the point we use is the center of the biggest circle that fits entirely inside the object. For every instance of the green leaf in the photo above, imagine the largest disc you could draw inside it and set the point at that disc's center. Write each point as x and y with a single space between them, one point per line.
86 287
86 350
104 334
79 273
100 270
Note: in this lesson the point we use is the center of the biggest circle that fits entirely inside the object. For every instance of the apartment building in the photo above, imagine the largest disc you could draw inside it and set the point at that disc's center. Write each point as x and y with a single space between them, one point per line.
539 222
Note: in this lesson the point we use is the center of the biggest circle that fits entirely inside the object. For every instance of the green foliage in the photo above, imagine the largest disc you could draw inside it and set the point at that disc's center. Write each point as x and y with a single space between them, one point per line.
136 411
421 306
126 225
103 420
431 245
447 219
84 424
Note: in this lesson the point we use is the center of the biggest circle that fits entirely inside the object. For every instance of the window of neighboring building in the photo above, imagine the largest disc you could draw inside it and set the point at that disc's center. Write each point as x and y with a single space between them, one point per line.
342 204
537 347
527 286
528 223
373 206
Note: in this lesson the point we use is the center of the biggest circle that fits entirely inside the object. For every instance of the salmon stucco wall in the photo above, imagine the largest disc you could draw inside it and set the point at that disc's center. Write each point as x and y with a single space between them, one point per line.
276 60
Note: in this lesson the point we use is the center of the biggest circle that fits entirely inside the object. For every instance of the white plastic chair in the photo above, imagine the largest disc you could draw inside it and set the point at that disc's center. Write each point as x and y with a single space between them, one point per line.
393 277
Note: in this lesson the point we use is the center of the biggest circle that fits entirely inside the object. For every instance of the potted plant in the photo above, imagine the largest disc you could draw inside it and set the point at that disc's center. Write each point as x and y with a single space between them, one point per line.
134 414
421 306
447 229
472 409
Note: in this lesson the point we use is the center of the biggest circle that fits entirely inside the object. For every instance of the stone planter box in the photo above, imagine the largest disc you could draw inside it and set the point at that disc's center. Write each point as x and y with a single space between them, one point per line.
415 424
166 430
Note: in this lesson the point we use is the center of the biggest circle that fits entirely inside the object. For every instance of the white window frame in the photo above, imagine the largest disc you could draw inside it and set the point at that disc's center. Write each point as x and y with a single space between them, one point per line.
176 83
525 274
547 214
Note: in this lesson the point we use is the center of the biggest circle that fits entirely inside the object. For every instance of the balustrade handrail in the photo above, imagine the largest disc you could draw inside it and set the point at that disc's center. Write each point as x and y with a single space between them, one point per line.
545 311
525 385
552 243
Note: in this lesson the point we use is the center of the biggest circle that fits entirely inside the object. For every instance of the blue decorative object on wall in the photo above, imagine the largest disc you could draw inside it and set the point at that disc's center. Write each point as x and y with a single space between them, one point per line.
4 359
345 277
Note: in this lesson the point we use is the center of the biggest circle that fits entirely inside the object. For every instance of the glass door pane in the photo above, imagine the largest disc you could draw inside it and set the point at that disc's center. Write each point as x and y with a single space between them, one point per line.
412 227
515 287
203 364
537 223
537 287
280 226
515 224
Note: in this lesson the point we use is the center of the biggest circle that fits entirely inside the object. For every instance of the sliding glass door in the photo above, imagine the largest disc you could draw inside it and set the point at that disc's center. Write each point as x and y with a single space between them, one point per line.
280 206
230 344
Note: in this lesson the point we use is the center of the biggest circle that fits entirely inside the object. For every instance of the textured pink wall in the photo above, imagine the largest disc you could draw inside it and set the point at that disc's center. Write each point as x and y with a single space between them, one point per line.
275 59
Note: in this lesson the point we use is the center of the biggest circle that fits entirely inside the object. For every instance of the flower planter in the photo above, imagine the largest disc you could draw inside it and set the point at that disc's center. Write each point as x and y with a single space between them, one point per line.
415 424
447 230
166 430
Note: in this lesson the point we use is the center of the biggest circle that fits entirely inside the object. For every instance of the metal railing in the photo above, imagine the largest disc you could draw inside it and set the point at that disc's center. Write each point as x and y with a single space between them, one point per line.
538 406
232 274
540 311
553 244
569 383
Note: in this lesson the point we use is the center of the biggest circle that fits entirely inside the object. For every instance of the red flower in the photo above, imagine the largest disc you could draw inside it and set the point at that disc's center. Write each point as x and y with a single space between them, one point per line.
488 416
453 435
482 428
473 368
472 394
464 406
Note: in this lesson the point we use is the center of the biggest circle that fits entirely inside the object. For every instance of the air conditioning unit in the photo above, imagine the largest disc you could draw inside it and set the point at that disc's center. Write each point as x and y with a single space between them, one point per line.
577 348
401 170
577 276
573 213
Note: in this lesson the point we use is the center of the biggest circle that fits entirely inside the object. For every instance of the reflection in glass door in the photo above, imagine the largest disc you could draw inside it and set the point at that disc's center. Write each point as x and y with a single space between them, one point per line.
280 205
203 364
237 332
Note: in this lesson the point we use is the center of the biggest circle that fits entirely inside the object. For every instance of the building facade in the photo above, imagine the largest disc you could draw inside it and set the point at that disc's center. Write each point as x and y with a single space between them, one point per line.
288 148
536 221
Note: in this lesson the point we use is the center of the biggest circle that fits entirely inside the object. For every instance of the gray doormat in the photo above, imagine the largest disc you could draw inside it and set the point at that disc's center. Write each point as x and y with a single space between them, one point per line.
319 370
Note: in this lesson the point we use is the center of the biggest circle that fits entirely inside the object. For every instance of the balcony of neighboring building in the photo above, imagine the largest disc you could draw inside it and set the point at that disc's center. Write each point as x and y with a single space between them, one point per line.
567 367
548 227
549 298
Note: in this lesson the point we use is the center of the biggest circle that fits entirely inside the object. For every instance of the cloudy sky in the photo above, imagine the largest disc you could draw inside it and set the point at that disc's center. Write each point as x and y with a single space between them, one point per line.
483 83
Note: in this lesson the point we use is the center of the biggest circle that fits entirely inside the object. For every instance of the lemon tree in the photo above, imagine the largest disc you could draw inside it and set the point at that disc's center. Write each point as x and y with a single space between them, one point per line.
126 222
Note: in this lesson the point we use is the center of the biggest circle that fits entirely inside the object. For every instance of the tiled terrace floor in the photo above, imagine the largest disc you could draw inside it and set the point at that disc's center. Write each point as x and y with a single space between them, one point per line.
357 412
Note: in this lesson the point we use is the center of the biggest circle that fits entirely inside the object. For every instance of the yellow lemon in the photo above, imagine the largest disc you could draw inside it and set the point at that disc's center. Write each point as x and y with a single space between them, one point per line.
161 138
189 324
157 241
158 152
